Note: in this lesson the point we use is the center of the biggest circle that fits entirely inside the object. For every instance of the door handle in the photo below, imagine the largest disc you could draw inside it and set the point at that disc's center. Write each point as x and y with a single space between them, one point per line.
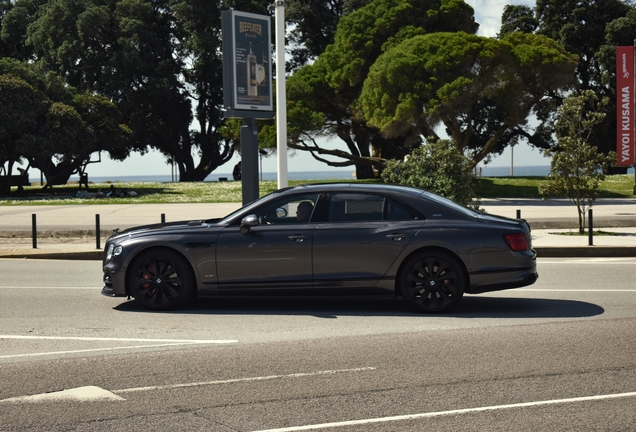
298 238
396 237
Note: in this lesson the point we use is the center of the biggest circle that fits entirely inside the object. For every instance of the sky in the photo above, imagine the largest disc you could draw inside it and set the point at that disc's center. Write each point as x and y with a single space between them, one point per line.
487 14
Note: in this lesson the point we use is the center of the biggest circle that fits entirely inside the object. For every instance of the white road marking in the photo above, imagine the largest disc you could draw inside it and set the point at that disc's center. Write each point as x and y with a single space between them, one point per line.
237 380
451 412
157 344
604 261
93 393
81 394
86 351
574 290
53 288
80 338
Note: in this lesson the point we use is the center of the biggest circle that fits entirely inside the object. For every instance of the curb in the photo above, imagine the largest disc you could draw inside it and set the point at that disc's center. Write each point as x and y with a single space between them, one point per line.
599 223
96 255
586 252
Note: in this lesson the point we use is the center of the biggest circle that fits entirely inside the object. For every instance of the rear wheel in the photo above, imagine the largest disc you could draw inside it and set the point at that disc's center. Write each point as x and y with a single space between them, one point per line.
160 279
432 281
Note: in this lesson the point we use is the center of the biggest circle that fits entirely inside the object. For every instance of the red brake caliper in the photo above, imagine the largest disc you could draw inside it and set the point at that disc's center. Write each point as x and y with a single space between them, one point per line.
147 276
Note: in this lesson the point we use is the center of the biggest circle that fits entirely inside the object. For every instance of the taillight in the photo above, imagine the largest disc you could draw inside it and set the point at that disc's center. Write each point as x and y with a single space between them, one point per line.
517 242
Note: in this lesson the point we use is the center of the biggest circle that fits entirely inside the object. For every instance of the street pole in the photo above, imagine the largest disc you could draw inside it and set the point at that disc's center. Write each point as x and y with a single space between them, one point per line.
249 160
512 161
281 95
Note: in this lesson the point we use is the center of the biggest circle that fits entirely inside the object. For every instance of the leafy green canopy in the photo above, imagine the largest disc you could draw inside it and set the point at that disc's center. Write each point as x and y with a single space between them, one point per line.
323 97
158 61
51 125
312 26
481 90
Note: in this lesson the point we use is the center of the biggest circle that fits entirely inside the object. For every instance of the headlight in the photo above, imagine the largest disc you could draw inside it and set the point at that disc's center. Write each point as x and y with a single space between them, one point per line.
113 251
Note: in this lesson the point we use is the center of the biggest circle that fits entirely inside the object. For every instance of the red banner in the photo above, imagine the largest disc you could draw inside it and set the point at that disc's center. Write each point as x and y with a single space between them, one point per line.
625 105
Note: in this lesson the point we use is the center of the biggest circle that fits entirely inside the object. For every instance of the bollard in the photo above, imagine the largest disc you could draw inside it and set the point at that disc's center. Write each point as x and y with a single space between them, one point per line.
163 218
34 231
518 214
590 228
97 232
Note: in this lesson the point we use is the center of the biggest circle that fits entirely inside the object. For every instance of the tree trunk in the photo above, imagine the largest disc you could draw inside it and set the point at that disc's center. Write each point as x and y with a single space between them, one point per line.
57 174
364 171
581 213
214 154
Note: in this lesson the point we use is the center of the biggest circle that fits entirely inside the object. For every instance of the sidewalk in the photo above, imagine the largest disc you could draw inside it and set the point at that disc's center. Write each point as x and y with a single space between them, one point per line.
69 232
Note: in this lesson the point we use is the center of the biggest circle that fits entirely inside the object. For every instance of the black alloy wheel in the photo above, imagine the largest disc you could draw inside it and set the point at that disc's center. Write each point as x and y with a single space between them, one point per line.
432 281
160 279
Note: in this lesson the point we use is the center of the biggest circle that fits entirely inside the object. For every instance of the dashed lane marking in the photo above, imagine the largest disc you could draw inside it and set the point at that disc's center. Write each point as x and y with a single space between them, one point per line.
155 343
81 338
93 393
237 380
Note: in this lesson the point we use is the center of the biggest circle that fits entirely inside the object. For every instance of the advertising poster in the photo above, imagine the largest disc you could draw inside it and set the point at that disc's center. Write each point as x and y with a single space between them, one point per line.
252 61
625 105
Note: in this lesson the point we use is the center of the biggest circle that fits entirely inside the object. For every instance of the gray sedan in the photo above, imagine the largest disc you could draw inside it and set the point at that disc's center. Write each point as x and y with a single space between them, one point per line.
331 239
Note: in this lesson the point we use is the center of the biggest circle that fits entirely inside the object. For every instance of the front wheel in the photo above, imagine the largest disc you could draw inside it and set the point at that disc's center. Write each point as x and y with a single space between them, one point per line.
160 279
432 281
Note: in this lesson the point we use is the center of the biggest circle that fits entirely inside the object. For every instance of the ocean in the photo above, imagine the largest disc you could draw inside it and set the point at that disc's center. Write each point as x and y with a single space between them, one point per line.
486 171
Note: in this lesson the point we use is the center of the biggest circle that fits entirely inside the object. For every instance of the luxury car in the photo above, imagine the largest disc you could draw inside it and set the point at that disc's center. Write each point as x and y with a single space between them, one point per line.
325 239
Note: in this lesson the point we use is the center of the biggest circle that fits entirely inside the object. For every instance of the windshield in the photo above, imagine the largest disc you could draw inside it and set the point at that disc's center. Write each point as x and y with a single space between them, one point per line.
253 204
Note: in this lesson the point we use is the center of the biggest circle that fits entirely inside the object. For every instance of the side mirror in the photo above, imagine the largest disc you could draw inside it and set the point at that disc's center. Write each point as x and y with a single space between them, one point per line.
247 222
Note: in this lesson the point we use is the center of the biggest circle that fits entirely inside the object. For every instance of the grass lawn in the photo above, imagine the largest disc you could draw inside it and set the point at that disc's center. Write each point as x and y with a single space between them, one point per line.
616 186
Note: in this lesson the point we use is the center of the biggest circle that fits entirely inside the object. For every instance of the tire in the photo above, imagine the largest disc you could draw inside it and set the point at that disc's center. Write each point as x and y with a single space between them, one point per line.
432 281
160 279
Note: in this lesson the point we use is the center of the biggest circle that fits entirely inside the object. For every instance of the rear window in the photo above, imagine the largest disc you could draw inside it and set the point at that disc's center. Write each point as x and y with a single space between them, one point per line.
450 203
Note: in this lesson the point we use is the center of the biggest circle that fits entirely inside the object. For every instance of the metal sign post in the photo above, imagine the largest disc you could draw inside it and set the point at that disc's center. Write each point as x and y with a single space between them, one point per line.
249 160
281 96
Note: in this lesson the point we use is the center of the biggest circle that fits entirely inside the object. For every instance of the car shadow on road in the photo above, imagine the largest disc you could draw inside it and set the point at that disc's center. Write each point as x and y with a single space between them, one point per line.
494 307
334 307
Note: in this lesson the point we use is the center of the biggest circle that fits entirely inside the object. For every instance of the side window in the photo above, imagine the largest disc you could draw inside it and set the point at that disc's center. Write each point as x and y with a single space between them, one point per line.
288 210
396 211
348 207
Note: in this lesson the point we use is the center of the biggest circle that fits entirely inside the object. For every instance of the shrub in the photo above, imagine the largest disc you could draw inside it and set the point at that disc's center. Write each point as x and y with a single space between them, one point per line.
437 167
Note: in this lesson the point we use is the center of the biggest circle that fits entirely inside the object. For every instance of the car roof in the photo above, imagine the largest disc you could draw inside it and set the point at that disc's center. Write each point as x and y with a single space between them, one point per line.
375 187
405 192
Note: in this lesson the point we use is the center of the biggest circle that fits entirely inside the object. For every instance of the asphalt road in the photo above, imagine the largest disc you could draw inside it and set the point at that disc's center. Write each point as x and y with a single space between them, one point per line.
559 355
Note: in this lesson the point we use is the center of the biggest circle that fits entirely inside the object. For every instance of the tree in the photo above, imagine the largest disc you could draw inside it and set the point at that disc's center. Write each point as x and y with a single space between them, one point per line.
52 126
312 25
15 17
590 29
152 58
20 107
5 7
482 90
517 18
577 167
323 96
437 167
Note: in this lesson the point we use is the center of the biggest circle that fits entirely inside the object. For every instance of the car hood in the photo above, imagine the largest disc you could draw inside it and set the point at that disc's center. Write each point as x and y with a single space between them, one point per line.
167 227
